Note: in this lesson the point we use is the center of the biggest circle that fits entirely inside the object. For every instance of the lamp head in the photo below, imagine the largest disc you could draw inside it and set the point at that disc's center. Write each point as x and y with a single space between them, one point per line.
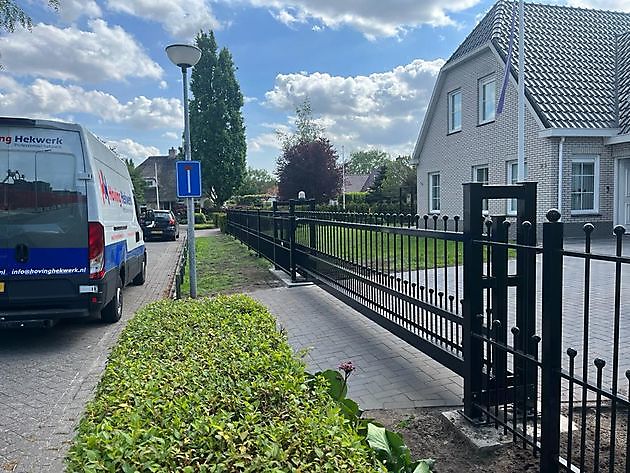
183 55
301 195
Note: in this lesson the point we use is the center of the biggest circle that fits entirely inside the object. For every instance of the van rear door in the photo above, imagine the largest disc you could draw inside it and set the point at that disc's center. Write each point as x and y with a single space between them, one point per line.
43 218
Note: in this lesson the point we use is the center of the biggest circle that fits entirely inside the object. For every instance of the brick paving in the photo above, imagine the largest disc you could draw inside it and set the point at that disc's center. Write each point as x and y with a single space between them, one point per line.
48 375
390 373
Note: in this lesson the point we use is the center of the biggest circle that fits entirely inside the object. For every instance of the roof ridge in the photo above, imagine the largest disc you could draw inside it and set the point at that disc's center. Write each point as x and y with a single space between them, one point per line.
568 7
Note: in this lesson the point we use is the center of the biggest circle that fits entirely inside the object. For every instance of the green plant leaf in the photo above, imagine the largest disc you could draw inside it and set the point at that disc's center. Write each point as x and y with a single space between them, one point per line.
337 388
424 466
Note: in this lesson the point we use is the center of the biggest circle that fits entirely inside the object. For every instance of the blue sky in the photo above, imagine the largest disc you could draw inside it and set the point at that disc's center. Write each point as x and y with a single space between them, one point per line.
367 66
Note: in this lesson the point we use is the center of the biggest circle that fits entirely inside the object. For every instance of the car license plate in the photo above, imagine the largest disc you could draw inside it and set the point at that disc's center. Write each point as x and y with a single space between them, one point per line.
157 232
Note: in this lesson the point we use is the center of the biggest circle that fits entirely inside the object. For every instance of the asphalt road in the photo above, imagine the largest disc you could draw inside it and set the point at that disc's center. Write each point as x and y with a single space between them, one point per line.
48 375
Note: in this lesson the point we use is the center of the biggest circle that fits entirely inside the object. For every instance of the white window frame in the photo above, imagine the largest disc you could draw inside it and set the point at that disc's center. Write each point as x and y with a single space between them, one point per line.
431 193
150 182
511 178
475 169
594 159
451 111
482 99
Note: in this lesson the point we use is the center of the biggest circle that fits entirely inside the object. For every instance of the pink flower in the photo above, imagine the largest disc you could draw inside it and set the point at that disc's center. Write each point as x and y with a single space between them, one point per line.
347 367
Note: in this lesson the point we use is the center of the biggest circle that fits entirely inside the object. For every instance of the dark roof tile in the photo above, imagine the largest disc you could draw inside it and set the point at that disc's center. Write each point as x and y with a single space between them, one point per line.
570 68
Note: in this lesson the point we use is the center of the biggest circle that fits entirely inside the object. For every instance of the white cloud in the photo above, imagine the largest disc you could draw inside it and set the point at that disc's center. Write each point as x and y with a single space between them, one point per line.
43 99
381 110
171 135
615 5
104 53
374 18
127 148
264 141
180 18
72 10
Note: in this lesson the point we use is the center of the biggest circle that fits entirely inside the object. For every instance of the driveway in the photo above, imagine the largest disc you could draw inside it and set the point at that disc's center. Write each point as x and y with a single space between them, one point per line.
48 375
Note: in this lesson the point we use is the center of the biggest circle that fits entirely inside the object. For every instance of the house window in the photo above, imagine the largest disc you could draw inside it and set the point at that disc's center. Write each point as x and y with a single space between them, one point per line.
434 192
480 174
150 182
585 185
487 107
455 111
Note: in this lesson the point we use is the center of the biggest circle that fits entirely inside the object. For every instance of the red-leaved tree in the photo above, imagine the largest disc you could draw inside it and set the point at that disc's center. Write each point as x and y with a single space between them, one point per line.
309 166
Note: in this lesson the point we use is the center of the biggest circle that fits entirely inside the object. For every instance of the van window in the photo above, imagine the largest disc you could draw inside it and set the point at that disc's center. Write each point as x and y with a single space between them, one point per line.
41 205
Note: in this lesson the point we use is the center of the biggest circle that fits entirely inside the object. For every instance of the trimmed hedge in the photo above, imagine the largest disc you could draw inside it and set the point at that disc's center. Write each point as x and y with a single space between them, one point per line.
211 385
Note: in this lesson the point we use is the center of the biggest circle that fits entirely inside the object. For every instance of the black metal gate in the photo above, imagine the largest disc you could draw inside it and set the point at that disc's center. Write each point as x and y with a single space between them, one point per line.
499 324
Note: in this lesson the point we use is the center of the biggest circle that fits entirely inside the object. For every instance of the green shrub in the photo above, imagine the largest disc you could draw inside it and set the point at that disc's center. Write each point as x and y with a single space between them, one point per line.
200 218
211 385
222 222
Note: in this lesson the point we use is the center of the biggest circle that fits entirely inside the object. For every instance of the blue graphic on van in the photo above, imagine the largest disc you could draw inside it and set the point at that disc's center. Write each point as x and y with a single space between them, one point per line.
44 262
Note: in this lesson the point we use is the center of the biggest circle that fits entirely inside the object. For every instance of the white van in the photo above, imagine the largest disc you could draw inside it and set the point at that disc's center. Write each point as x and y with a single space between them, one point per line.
69 233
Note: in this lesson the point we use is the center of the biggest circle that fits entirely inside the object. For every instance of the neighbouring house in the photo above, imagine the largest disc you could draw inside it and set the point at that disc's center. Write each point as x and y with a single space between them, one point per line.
159 175
361 182
577 129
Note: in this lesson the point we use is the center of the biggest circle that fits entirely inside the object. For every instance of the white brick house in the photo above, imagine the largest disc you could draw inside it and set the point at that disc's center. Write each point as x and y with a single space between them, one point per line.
577 129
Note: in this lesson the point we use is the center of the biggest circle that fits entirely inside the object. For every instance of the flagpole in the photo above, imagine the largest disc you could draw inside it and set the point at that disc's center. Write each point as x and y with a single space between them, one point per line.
521 91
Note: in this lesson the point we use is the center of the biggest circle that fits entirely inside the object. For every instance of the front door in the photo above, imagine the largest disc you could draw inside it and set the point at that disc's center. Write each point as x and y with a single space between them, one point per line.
623 193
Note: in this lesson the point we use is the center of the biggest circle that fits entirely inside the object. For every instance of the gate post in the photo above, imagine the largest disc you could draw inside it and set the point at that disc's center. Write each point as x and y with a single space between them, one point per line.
553 232
500 304
526 373
473 300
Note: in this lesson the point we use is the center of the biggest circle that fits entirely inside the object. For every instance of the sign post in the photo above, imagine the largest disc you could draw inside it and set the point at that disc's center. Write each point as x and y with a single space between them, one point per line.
188 175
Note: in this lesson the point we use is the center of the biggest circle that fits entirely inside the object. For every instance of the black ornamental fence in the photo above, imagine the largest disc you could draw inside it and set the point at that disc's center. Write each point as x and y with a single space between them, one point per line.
541 352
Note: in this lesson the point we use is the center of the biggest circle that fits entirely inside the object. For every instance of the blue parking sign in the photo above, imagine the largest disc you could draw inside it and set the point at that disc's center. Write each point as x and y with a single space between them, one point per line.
188 178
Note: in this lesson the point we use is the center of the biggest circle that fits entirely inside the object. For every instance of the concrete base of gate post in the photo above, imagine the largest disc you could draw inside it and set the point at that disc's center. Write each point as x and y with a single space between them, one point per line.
286 279
484 439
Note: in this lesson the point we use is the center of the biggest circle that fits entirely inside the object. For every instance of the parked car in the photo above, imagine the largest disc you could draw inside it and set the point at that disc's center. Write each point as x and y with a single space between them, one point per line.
70 240
160 225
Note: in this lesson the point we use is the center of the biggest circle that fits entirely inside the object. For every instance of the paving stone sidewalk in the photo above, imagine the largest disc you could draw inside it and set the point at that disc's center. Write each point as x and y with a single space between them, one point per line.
390 373
48 375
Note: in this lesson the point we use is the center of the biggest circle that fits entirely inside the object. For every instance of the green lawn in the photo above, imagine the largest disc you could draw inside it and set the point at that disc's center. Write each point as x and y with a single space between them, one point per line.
226 266
370 248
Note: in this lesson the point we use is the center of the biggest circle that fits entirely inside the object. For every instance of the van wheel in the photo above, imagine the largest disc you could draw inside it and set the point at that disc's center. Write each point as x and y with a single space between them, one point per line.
112 312
142 275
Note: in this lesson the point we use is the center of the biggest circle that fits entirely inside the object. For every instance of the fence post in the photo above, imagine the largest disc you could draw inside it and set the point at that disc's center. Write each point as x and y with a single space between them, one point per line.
553 233
258 232
292 229
473 300
274 209
312 232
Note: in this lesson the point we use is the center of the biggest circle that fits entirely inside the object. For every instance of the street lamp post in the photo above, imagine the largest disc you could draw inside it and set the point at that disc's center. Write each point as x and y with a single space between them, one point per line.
185 56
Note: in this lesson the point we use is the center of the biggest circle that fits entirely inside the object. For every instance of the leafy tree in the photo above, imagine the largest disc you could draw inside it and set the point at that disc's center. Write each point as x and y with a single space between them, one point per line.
308 161
392 176
398 173
306 128
216 121
364 162
11 15
139 184
256 181
309 166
